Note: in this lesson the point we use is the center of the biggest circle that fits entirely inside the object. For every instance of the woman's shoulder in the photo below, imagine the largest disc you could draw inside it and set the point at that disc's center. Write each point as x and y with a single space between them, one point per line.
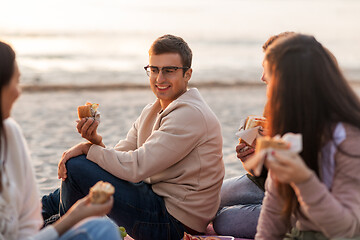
11 126
351 130
351 138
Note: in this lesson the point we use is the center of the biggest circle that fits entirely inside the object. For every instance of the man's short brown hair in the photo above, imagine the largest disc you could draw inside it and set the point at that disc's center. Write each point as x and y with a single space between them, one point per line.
172 44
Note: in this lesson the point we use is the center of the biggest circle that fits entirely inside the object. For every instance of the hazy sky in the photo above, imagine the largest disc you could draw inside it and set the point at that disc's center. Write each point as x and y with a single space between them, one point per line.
321 16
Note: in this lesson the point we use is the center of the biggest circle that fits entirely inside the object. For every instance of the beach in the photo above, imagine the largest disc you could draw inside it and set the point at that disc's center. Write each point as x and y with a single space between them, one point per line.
48 121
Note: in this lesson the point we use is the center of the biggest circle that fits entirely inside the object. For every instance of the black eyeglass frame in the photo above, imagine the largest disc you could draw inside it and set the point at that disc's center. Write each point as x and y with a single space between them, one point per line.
166 67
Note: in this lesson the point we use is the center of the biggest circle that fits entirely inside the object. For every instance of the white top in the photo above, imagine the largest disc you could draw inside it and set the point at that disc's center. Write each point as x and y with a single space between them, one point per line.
20 207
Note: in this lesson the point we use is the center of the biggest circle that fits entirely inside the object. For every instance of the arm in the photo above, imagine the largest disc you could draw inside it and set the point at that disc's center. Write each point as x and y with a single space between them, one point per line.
130 142
271 224
79 211
344 199
176 137
29 214
30 219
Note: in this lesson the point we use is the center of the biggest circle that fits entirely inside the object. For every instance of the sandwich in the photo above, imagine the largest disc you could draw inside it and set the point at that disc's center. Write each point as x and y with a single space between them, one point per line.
263 145
88 110
252 122
269 142
101 192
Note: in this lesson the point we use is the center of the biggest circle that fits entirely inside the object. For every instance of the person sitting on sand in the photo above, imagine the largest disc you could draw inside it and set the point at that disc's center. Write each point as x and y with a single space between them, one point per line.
241 197
169 170
20 208
316 192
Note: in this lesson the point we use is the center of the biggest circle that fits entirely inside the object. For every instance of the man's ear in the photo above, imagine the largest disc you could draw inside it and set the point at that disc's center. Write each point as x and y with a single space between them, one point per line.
188 74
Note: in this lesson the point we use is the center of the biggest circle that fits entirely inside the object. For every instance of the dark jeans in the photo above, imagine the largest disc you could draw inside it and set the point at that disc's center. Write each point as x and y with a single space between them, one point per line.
136 206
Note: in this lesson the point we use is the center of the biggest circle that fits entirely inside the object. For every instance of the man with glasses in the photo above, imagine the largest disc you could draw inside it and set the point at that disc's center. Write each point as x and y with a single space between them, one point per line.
168 171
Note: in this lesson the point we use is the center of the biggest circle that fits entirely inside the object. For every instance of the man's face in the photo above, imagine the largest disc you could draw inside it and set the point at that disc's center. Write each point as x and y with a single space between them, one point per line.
168 86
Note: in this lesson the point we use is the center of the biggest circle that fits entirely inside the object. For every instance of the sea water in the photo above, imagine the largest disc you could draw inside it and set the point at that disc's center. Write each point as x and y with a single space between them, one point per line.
86 42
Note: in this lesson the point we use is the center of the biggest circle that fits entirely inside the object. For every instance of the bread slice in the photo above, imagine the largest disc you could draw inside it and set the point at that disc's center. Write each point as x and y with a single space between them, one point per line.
88 110
84 111
268 142
252 121
255 121
101 192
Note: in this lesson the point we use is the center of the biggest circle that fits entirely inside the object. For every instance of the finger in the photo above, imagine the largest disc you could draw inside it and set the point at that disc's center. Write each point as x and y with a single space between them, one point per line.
244 155
62 172
80 124
85 128
93 127
284 157
276 168
108 205
240 146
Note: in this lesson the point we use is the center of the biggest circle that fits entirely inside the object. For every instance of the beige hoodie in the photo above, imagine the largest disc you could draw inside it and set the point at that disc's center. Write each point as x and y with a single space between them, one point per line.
179 152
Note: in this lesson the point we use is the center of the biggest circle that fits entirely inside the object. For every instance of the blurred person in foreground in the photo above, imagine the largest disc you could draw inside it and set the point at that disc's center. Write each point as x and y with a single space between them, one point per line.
241 197
20 208
168 171
314 194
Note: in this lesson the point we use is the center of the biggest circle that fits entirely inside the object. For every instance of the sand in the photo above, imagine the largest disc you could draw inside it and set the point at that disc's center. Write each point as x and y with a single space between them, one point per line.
48 121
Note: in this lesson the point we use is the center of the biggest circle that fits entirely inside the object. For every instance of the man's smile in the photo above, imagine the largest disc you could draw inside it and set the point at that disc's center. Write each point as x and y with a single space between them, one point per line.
162 87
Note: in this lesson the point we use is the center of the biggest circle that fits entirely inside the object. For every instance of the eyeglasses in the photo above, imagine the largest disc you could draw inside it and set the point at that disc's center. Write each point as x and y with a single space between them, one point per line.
168 71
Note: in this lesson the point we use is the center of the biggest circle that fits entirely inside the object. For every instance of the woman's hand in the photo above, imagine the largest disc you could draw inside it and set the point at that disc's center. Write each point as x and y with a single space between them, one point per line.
288 167
82 209
242 154
87 127
79 149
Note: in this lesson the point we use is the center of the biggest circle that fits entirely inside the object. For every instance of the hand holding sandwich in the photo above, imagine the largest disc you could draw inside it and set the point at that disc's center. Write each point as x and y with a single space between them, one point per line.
89 119
81 210
288 167
87 127
243 152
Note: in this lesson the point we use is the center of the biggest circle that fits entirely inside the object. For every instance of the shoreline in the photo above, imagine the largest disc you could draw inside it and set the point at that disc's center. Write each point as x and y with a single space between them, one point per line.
126 86
135 86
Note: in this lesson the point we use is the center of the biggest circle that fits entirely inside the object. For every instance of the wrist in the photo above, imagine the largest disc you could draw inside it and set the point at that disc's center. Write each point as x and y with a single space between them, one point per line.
86 147
97 140
304 177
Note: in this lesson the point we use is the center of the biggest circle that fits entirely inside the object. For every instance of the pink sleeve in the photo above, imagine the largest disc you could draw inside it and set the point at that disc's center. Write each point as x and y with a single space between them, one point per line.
271 224
335 212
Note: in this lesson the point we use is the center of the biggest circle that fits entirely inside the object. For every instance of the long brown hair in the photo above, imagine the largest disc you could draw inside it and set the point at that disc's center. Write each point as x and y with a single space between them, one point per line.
7 58
308 94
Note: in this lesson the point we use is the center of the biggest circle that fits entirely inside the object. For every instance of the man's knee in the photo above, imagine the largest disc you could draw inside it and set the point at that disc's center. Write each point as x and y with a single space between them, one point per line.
76 164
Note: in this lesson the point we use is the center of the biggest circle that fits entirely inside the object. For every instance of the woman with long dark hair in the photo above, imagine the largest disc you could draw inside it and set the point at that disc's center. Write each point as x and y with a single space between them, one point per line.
315 193
20 207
